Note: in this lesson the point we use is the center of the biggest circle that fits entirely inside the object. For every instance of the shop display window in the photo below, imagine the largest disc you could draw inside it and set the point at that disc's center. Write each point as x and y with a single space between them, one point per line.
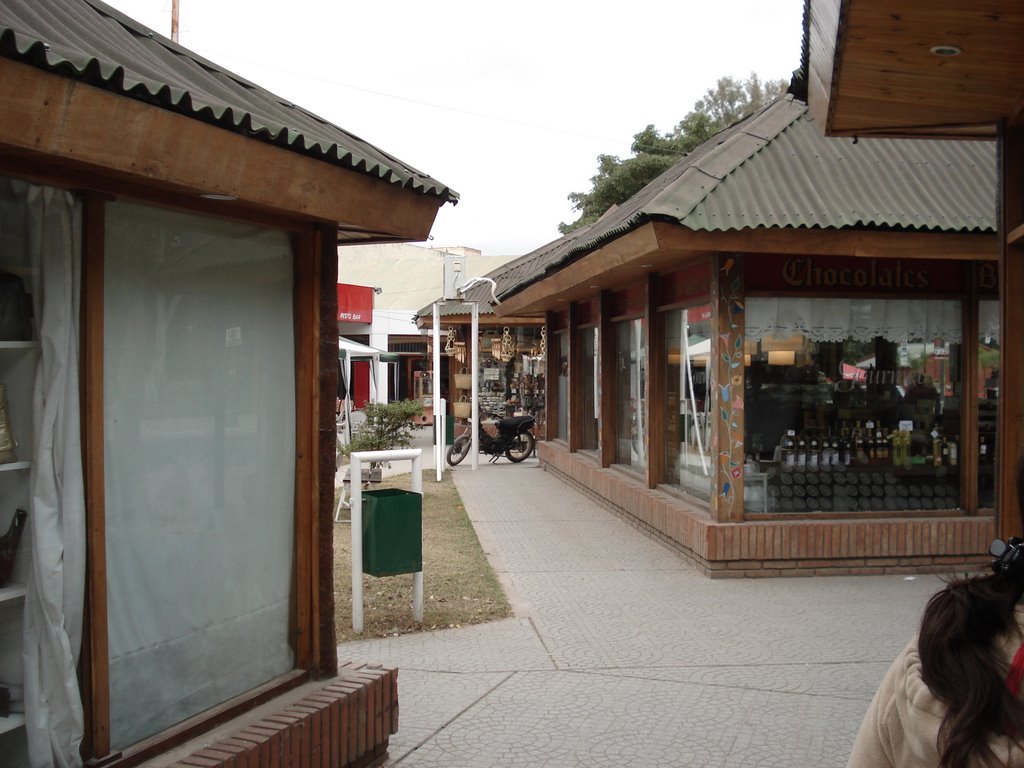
589 388
853 404
988 398
688 462
630 373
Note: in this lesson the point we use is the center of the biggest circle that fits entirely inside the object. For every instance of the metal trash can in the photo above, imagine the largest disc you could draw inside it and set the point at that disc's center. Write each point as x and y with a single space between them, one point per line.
392 532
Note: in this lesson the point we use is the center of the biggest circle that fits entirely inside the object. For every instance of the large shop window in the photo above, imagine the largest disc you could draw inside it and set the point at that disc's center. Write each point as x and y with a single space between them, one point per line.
630 384
199 414
988 398
853 404
687 349
590 396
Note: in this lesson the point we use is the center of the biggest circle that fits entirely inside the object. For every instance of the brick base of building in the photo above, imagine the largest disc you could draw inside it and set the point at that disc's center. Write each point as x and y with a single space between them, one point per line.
341 723
812 546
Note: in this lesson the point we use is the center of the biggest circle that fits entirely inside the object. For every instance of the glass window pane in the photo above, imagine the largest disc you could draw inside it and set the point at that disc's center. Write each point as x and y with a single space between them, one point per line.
589 383
988 398
199 419
562 350
631 353
853 425
687 350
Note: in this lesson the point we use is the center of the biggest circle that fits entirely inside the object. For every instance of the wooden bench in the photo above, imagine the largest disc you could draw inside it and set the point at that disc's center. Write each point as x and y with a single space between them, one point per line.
369 475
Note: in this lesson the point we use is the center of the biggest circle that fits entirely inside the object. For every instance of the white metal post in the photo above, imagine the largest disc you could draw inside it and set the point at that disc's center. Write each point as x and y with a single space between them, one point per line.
415 455
436 379
474 429
440 436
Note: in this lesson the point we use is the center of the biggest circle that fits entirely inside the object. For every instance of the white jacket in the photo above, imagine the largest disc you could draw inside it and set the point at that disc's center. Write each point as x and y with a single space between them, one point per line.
901 727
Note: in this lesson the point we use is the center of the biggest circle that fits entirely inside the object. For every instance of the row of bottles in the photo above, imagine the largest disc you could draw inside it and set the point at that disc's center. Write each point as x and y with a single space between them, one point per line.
867 444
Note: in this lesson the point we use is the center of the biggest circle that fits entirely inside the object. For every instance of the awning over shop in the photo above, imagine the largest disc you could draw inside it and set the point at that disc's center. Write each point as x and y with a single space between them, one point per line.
352 351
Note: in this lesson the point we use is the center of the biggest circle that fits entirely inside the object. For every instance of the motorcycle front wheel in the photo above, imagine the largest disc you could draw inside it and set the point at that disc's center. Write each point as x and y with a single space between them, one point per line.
459 450
521 447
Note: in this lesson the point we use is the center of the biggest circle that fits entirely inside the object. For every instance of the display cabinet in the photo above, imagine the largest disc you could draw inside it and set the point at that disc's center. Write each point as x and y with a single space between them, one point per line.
18 361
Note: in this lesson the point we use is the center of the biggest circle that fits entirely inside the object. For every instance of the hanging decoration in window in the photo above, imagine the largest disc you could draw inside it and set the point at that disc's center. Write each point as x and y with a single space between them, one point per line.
450 339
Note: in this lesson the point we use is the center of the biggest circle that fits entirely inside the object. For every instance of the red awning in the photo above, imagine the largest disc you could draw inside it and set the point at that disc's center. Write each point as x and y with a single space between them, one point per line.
355 303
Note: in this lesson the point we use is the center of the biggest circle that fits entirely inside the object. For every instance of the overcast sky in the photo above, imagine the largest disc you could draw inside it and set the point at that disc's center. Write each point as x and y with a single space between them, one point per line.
509 104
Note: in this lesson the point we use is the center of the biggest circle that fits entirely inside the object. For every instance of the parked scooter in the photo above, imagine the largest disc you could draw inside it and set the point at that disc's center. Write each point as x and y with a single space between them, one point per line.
514 441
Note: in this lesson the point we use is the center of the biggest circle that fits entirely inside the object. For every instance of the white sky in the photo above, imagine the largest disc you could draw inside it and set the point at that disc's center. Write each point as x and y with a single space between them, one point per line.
509 104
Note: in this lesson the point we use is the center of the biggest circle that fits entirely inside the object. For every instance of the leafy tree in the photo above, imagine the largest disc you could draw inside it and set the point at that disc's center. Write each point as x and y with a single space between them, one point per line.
653 153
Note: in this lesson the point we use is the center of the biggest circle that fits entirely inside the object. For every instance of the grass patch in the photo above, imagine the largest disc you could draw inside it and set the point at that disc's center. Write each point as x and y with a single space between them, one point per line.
459 585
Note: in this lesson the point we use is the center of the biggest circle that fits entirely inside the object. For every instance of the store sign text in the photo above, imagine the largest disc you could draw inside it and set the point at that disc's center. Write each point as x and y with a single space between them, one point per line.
802 273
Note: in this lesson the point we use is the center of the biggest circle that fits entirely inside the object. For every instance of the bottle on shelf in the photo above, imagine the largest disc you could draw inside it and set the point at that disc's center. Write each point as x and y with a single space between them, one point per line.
881 446
801 452
789 449
954 451
936 448
813 453
982 450
834 458
945 452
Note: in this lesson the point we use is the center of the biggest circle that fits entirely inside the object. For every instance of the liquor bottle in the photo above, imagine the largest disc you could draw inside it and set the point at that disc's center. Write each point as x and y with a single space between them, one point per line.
789 450
945 452
801 452
834 452
869 445
982 450
881 446
936 448
954 452
813 453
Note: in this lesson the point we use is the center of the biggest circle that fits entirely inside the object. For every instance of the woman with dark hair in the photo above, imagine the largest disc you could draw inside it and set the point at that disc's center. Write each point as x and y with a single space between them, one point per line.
951 698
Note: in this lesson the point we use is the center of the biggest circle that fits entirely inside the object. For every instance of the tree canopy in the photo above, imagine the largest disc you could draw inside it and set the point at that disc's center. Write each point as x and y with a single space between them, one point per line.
618 180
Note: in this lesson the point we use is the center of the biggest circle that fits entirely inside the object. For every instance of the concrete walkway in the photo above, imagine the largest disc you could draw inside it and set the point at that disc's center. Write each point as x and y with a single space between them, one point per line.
622 654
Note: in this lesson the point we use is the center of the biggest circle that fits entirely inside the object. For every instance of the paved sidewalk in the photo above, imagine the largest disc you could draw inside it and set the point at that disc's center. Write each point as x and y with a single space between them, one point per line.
622 654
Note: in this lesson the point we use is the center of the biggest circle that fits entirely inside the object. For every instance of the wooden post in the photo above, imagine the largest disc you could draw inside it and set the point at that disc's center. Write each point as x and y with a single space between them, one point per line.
96 653
726 385
1010 429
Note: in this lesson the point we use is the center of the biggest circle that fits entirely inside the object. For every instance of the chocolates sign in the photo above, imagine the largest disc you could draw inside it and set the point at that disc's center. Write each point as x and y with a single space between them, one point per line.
853 275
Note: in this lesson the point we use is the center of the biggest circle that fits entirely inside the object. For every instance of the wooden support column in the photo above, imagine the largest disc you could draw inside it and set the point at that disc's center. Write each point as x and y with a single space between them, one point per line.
606 352
305 312
655 394
95 652
726 387
575 422
325 647
1011 288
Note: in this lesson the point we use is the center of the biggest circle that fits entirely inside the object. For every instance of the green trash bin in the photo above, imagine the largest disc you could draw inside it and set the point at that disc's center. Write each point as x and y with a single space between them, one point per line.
449 431
392 532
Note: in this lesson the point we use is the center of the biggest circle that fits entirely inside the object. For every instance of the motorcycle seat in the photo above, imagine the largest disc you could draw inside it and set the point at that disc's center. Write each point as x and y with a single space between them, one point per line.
512 423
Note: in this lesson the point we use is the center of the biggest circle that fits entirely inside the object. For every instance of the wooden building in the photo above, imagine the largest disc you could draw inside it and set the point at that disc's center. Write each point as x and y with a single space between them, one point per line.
771 356
914 69
173 401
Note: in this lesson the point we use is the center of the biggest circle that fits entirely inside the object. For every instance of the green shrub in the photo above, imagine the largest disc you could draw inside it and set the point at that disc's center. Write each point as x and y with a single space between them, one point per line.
388 427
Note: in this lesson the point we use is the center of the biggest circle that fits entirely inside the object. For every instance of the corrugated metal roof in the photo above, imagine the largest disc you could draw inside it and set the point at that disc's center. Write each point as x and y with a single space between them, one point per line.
89 41
776 170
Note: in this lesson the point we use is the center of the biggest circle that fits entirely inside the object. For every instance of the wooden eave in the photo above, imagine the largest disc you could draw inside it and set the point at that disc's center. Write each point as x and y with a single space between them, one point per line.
871 70
661 246
59 131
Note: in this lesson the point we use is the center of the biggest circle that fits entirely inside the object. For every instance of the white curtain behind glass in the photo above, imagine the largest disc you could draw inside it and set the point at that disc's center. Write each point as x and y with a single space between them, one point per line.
899 320
56 586
199 418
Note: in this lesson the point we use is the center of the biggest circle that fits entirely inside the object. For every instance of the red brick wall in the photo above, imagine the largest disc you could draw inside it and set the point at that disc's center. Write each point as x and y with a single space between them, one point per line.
345 722
813 546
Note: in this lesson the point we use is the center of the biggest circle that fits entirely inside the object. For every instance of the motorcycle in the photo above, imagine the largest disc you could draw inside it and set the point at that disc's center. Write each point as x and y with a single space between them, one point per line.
514 440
